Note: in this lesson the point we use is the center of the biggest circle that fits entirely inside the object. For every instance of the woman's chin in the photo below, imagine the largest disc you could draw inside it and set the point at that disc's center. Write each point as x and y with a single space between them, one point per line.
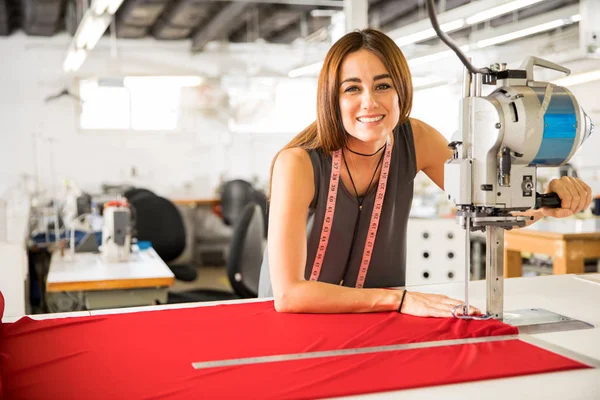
371 136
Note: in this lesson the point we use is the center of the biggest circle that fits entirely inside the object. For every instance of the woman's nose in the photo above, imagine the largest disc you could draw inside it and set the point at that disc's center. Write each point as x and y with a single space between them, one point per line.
368 100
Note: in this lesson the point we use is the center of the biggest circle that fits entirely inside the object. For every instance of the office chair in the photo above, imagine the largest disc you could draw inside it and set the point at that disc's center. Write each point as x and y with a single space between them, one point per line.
159 221
236 195
243 263
132 193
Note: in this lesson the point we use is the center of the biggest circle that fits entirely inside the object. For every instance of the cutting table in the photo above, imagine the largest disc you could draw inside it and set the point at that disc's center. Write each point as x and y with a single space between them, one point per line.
572 295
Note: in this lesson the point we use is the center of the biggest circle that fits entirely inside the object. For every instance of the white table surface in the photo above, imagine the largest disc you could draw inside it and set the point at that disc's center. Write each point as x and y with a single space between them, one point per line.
573 296
89 267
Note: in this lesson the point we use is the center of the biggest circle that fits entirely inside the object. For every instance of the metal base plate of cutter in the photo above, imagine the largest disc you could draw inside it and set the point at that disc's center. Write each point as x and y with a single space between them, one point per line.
538 320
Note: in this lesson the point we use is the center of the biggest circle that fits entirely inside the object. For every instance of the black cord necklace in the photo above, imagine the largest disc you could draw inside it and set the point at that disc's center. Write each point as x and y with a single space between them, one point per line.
360 199
363 154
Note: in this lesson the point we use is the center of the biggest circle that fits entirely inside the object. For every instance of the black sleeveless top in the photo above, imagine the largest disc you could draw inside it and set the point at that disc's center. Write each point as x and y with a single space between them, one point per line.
343 257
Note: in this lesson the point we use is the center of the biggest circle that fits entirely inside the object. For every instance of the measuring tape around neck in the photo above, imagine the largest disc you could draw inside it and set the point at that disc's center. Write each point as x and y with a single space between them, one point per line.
330 210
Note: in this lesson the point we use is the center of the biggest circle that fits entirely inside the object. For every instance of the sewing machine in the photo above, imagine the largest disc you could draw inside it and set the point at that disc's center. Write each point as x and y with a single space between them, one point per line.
116 232
503 138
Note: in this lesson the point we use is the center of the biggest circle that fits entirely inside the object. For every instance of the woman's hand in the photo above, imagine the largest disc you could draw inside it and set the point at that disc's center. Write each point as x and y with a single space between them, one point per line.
432 305
575 196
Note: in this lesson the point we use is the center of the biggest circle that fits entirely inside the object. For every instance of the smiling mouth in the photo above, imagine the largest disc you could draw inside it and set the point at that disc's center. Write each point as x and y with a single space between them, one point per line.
370 119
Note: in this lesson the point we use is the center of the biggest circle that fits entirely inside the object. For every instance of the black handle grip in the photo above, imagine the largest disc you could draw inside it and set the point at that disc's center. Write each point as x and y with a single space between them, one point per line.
549 200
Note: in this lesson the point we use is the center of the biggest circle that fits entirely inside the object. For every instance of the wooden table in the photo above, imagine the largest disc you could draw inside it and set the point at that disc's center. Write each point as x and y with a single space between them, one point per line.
86 281
195 202
568 242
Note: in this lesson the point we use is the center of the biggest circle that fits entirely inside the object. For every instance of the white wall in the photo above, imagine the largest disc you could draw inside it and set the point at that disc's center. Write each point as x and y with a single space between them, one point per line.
190 162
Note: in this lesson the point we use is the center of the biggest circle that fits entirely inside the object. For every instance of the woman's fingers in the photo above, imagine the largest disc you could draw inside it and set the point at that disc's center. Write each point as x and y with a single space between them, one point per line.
440 313
434 305
585 197
588 191
575 195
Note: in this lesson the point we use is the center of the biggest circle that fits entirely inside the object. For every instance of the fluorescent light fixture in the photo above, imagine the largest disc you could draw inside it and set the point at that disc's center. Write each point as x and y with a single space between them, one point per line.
170 81
435 56
499 10
74 59
306 70
91 28
528 31
406 38
578 79
429 33
90 31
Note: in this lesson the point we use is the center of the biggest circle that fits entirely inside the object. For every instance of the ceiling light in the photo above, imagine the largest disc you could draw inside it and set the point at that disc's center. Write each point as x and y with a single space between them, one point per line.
429 33
500 10
74 60
306 70
435 56
578 79
528 31
90 31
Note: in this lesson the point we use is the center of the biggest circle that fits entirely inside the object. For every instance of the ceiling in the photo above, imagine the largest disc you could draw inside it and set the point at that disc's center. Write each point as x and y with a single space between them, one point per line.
239 21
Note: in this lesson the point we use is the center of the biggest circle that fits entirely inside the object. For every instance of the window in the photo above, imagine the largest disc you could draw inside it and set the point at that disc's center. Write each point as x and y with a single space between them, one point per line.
271 105
144 103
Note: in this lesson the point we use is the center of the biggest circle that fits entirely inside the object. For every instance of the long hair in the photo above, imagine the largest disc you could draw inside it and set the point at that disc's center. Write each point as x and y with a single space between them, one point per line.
327 133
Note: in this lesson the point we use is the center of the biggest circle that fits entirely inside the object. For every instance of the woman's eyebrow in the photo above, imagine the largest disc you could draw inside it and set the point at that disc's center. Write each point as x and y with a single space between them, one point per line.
376 78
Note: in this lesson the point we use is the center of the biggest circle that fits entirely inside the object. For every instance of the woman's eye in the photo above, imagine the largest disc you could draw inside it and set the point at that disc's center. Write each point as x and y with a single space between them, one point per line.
351 89
383 86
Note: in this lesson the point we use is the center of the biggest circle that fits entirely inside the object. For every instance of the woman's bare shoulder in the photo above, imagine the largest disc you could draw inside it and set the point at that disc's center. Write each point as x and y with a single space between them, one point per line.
294 159
293 170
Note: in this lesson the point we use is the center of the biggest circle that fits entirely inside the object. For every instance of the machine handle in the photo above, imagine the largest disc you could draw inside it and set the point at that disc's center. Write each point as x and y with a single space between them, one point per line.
532 61
549 200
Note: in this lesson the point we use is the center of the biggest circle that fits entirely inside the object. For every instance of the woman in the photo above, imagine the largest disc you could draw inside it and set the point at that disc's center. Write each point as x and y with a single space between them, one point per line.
336 239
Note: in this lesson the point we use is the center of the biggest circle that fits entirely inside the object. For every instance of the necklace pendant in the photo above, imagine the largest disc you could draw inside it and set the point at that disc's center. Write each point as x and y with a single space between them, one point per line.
360 208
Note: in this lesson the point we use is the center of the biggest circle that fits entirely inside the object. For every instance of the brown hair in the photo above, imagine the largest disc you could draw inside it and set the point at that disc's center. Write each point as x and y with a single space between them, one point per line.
327 132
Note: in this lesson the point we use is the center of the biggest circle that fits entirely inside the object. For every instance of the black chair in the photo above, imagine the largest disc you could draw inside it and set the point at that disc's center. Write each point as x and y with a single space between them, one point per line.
243 264
237 194
159 221
133 193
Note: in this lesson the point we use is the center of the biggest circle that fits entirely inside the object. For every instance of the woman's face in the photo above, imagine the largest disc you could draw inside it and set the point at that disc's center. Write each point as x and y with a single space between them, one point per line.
368 99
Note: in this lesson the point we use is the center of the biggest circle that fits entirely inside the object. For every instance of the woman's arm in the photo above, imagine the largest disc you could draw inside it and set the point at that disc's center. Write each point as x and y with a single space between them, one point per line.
291 193
431 149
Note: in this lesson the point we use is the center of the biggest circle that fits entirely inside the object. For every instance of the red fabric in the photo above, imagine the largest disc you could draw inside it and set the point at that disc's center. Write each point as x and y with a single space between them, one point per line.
1 315
148 355
1 306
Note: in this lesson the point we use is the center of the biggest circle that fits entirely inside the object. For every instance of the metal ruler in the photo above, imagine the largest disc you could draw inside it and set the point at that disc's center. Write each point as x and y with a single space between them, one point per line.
590 361
344 352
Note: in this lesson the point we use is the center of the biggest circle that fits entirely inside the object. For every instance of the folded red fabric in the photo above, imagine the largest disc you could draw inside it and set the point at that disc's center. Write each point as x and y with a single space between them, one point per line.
1 315
1 307
148 355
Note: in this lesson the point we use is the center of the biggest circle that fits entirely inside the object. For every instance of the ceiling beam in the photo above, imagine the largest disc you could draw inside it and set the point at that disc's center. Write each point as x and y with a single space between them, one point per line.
387 11
269 22
219 25
312 3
